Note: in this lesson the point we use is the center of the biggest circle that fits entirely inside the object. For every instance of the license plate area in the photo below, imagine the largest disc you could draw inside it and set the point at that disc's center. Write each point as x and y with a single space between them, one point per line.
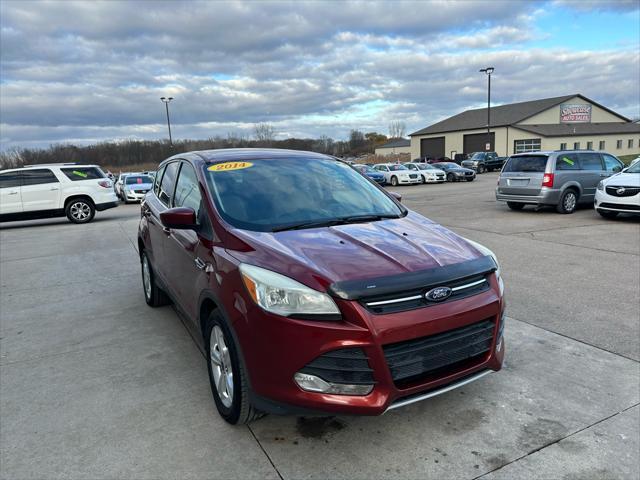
517 182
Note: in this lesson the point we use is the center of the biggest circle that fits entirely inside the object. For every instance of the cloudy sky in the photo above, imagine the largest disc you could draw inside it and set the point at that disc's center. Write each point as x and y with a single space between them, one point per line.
89 71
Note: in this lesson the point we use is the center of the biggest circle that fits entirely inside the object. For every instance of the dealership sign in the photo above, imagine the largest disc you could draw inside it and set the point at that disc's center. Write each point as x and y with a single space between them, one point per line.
575 113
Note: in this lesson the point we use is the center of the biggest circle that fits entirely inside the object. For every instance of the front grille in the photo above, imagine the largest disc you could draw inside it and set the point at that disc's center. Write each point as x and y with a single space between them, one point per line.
628 191
412 299
413 175
141 191
415 359
347 365
620 206
468 173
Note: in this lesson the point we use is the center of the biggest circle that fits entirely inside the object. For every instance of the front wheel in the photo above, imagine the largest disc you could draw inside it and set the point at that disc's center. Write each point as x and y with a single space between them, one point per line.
80 210
451 177
568 202
423 180
470 179
481 169
607 213
394 181
227 373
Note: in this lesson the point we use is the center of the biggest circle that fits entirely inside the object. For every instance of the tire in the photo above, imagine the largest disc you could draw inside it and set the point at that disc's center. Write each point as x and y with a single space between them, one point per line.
451 177
481 169
607 213
515 205
568 201
470 179
80 210
423 180
232 396
394 181
153 295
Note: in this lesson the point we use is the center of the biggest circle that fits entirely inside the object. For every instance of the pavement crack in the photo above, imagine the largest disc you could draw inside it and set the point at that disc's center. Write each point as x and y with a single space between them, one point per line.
557 441
265 453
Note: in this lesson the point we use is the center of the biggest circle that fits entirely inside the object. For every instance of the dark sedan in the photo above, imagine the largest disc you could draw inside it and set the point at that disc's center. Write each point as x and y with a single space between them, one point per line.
456 173
372 173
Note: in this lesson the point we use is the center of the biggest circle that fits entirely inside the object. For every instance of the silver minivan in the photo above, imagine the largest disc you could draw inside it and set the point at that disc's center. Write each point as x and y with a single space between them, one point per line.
563 178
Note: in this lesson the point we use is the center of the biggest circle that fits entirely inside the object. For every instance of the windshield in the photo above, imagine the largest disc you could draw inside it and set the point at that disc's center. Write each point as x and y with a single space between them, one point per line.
136 179
477 156
526 163
396 167
268 195
425 166
635 168
446 165
365 169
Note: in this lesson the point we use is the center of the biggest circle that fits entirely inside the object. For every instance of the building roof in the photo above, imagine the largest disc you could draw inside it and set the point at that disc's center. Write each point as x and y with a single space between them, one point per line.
569 129
395 143
501 115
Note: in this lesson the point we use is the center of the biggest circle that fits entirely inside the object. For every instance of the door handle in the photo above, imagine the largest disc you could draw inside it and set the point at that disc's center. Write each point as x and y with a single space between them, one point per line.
54 188
12 193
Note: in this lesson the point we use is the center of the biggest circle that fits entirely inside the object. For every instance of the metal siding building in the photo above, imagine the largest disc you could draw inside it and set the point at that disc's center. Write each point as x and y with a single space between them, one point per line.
568 122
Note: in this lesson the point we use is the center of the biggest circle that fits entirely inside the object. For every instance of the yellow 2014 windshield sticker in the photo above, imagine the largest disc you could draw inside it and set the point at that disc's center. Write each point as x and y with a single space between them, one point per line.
229 166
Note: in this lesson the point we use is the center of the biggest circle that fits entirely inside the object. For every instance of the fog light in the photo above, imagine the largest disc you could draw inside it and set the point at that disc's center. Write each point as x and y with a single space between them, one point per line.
311 383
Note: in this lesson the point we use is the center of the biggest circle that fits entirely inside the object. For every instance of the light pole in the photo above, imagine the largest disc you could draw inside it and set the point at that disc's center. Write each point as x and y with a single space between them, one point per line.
166 101
488 71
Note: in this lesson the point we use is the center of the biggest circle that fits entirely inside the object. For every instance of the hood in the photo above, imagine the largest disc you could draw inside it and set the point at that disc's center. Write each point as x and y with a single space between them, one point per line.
357 251
623 180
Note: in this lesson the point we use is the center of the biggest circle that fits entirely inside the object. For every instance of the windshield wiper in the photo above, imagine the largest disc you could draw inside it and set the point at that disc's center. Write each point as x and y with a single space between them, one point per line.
334 221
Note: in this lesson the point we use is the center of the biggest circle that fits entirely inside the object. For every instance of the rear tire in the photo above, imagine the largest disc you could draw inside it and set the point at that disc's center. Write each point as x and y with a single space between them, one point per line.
607 213
568 202
153 295
515 205
80 210
227 370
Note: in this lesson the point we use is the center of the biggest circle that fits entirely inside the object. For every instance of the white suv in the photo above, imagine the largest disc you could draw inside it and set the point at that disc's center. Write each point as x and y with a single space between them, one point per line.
55 190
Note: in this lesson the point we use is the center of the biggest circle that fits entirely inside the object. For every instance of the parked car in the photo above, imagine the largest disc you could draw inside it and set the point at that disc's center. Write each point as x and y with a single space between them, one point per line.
55 190
619 193
428 173
315 293
119 184
456 173
397 174
484 162
459 157
563 179
136 187
370 172
634 161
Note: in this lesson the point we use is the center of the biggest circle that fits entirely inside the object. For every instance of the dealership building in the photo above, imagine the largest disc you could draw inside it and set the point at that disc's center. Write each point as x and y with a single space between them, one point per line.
569 122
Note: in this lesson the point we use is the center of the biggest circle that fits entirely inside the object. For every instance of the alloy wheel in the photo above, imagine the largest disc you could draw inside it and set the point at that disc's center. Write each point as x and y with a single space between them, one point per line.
221 366
570 201
80 211
146 276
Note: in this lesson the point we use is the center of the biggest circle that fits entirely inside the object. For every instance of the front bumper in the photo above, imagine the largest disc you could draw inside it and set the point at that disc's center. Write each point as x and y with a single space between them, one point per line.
604 201
408 181
132 196
275 348
434 178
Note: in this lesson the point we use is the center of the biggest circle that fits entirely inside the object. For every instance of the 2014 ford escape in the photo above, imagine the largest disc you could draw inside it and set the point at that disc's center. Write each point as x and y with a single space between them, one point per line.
312 289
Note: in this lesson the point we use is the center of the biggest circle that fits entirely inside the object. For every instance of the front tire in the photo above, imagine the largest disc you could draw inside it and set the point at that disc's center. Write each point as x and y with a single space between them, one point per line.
80 210
607 213
481 169
227 373
451 177
153 295
568 202
394 181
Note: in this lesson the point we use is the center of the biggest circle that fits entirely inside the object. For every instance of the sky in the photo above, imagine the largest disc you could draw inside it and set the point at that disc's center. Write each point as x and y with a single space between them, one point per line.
85 72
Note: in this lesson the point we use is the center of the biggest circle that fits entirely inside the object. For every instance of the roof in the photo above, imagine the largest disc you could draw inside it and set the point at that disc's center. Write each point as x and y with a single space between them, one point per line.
502 115
244 154
398 142
568 129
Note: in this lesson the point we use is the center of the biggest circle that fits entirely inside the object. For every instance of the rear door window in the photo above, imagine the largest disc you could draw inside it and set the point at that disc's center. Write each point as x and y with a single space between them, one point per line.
38 176
567 161
83 173
527 163
168 183
590 161
9 179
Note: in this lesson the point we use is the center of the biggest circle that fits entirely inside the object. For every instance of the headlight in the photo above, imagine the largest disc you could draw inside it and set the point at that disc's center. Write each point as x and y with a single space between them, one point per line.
601 185
284 296
485 251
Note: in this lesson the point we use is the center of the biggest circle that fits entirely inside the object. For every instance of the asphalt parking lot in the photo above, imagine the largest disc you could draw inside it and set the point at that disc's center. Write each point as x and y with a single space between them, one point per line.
94 384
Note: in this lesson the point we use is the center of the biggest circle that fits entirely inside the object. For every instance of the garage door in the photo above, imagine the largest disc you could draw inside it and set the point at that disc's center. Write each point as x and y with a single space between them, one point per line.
432 147
476 142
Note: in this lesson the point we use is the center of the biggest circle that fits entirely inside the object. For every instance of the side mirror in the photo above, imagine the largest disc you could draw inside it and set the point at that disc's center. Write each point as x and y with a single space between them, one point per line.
397 196
179 218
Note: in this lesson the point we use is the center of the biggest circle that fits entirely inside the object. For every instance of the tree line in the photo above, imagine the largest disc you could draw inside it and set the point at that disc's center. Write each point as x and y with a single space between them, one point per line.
123 154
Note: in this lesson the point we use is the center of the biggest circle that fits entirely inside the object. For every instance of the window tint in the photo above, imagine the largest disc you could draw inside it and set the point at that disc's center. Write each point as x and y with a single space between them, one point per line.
158 179
168 182
82 173
611 163
9 179
590 161
528 163
38 177
187 190
567 161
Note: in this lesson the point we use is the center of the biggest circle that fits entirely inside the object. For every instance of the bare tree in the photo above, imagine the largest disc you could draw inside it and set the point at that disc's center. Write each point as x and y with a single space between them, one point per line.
264 132
397 129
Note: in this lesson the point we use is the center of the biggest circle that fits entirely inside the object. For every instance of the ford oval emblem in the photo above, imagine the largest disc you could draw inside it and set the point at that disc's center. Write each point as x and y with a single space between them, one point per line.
438 294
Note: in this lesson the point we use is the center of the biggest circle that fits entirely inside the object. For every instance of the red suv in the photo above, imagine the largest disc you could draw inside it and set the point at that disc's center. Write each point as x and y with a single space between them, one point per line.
311 289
